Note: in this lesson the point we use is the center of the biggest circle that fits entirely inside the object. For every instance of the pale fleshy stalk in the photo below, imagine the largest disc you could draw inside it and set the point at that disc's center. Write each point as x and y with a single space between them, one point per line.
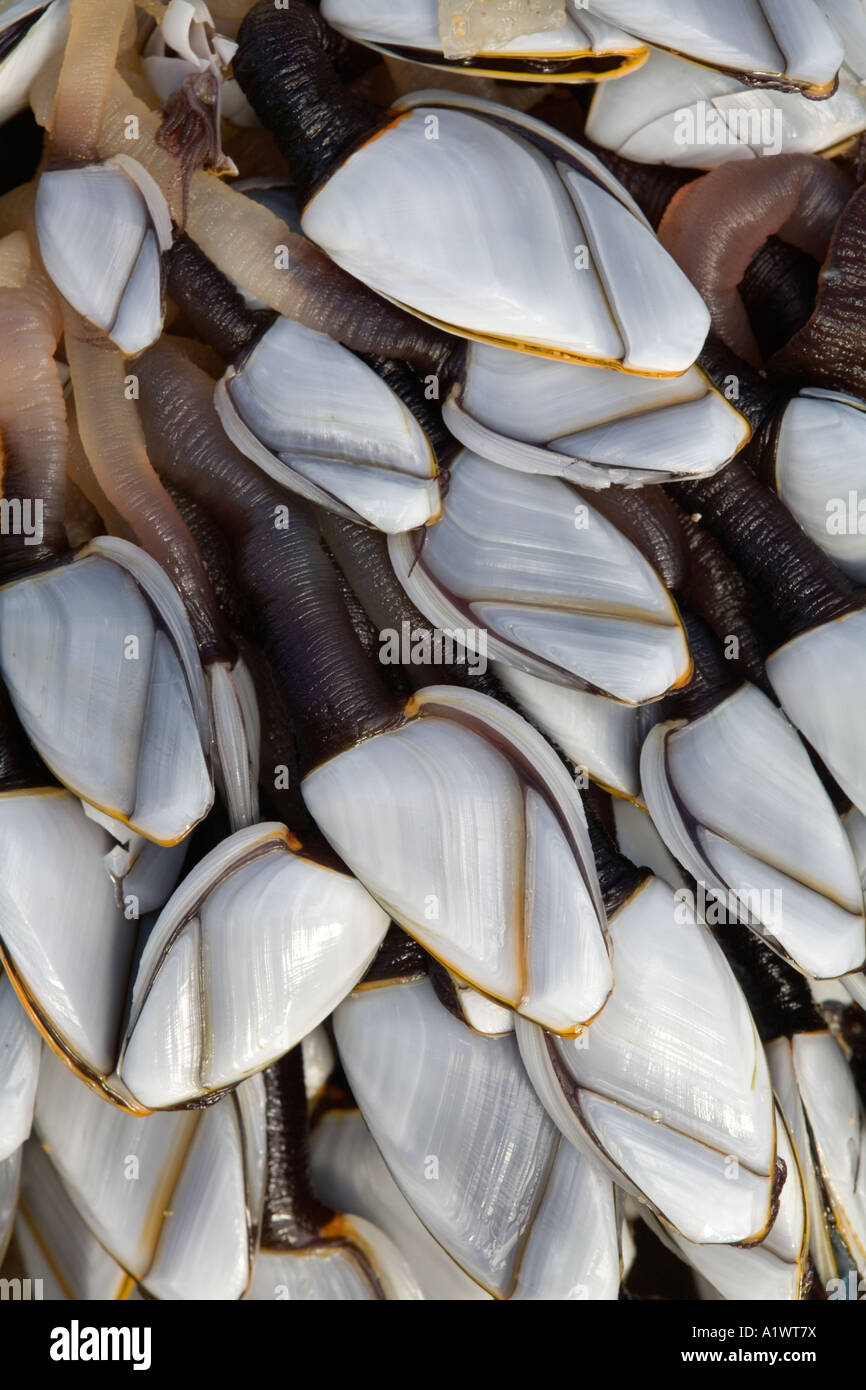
95 31
114 443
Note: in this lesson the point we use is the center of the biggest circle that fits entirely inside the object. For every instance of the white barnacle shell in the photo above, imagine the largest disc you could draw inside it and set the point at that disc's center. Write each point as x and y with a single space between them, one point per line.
557 590
775 1269
590 424
253 950
820 473
638 839
677 112
319 1061
602 737
20 1049
737 801
669 1085
818 678
521 1211
819 1098
60 926
144 873
237 738
103 671
766 37
31 33
426 214
351 1175
581 47
176 1198
10 1176
322 423
102 229
466 827
55 1244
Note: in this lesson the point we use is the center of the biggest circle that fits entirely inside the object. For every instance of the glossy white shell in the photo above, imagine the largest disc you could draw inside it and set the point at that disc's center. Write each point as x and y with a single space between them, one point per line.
566 269
490 870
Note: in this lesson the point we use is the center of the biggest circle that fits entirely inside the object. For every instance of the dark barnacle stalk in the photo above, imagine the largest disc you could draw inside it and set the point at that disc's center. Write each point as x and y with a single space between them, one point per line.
211 304
362 555
293 1215
333 694
285 65
801 585
716 592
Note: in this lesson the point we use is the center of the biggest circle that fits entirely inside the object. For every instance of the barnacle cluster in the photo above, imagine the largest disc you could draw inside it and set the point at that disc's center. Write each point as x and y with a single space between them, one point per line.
432 762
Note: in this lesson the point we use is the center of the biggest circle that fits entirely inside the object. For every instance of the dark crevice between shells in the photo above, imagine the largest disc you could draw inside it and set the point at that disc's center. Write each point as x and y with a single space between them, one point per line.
800 583
211 304
285 68
20 150
778 290
813 1290
406 384
618 877
20 765
293 1215
780 1174
851 1027
335 694
446 991
778 996
585 67
657 1272
14 33
398 958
